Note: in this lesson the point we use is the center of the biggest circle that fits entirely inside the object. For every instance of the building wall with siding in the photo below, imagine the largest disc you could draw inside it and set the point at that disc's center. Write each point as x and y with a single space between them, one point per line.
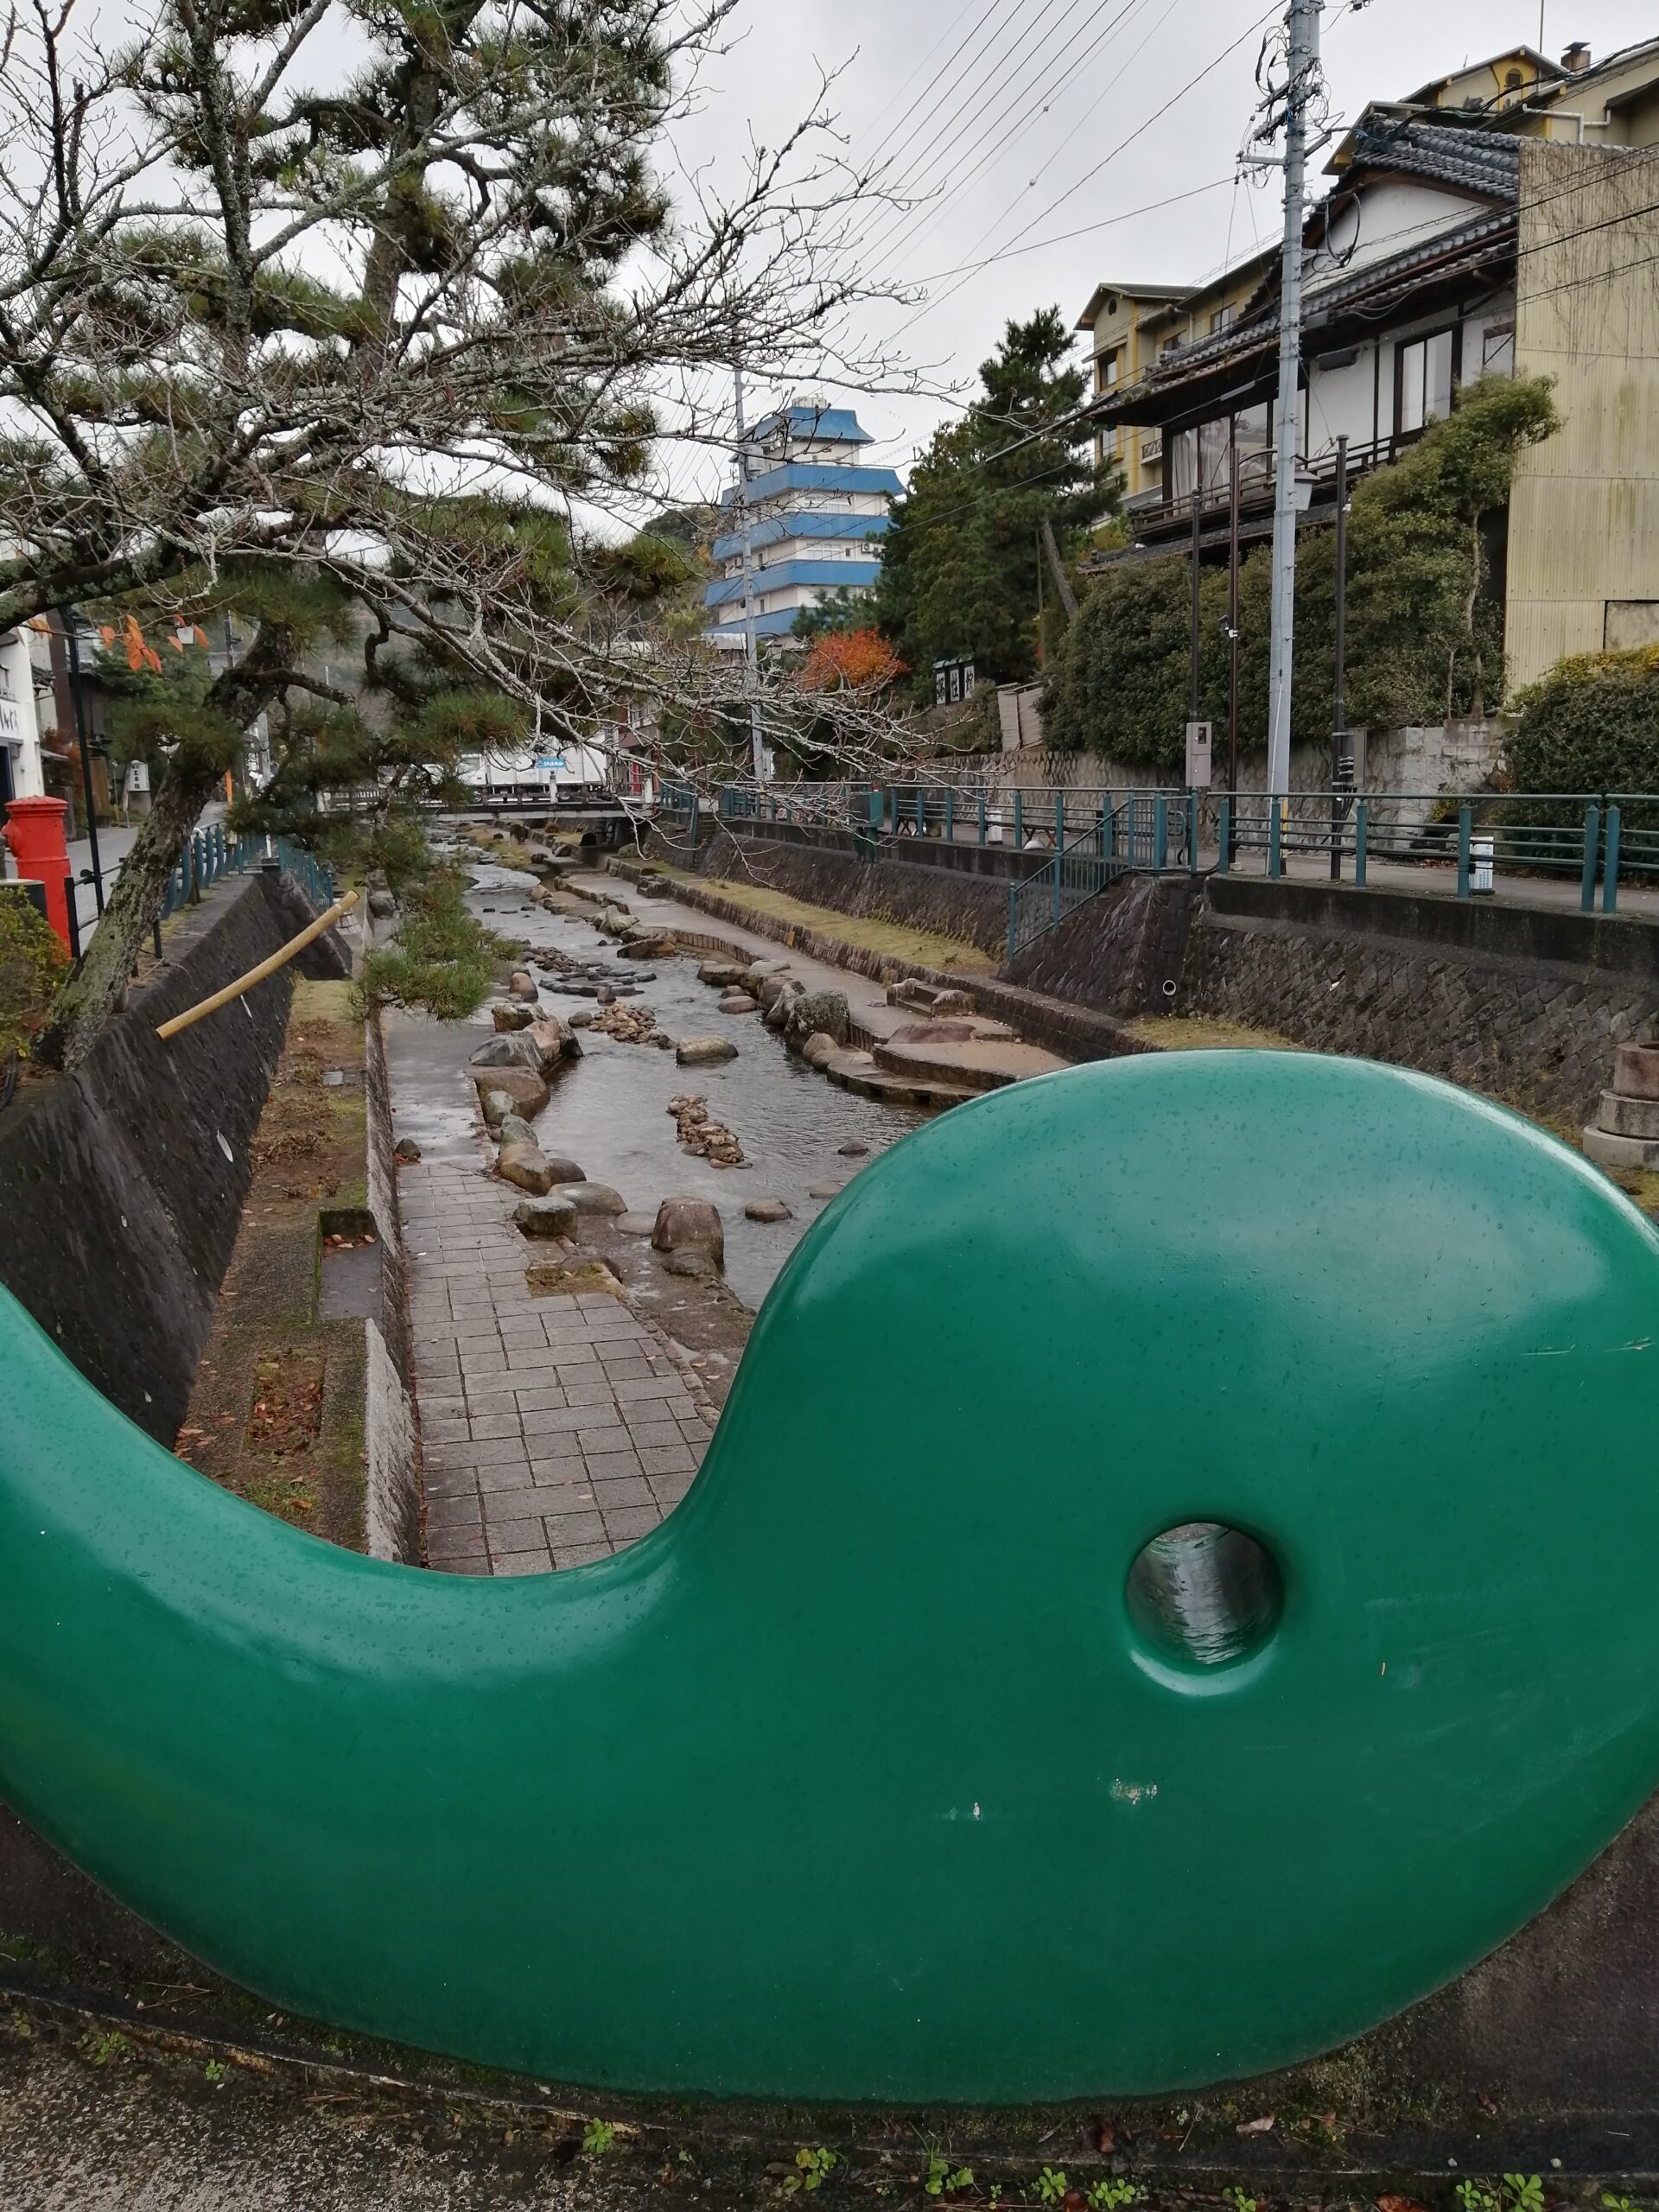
1584 519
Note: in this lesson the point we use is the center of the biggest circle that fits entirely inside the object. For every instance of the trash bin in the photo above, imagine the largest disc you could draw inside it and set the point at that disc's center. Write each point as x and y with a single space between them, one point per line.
1480 864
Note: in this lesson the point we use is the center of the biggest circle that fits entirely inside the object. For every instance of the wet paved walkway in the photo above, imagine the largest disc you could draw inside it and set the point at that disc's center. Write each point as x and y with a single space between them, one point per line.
554 1430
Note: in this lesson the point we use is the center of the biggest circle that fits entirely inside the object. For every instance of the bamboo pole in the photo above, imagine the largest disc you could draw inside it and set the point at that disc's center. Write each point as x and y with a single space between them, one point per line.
258 974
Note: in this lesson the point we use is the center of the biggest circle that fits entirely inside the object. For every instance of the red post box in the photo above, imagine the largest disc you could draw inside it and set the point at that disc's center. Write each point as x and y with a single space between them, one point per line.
35 832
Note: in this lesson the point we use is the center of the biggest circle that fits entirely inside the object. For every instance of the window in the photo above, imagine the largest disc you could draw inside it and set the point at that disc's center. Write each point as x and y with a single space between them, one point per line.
1425 370
1222 320
1106 369
1497 349
1253 431
1180 458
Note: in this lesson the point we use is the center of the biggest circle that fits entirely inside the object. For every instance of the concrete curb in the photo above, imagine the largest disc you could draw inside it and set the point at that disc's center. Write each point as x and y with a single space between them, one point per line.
1077 1032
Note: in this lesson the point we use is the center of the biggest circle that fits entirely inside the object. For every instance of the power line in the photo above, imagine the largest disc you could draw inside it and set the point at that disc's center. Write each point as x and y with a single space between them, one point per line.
1010 134
1110 32
984 88
1106 160
962 58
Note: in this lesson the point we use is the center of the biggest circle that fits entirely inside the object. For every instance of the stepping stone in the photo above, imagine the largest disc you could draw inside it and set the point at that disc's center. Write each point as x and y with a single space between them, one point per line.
768 1210
593 1199
551 1217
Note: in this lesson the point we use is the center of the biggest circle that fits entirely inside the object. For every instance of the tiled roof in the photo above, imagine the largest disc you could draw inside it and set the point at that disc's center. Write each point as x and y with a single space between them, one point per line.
1485 162
1475 240
1495 231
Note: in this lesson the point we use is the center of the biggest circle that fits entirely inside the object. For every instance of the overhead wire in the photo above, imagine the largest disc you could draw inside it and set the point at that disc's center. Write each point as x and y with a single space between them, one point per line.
927 158
1079 125
1121 146
1040 95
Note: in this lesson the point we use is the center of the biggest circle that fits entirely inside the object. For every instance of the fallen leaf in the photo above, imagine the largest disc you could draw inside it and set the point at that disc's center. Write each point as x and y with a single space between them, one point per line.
1398 2204
1262 2127
1105 2140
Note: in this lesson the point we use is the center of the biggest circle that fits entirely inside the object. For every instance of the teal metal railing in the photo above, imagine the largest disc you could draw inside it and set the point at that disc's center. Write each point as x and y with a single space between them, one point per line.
211 855
1606 841
1080 870
1603 839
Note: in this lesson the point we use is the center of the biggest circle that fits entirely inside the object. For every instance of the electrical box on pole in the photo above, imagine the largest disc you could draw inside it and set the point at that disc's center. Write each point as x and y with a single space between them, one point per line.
1200 747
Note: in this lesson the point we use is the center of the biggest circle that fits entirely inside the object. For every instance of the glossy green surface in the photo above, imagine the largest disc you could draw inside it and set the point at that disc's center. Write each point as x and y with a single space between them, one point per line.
855 1779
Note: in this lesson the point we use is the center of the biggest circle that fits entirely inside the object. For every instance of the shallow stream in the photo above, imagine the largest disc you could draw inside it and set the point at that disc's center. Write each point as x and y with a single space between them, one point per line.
608 1111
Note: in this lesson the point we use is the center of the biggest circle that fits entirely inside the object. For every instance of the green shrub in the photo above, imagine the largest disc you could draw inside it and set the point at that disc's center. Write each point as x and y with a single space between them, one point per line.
1424 632
1590 725
32 966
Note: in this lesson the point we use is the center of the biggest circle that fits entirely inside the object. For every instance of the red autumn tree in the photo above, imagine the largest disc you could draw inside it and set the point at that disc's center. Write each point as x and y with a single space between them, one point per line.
850 660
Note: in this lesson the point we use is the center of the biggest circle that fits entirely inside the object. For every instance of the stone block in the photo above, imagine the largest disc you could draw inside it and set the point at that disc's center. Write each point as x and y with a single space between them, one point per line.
689 1225
1610 1151
1629 1117
1636 1072
528 1092
701 1051
545 1217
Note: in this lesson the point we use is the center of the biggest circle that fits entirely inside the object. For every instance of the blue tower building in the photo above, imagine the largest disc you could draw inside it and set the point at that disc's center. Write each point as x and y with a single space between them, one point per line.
817 518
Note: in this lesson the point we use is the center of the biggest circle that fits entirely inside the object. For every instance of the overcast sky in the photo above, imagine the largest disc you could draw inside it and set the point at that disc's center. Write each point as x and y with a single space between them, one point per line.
1003 107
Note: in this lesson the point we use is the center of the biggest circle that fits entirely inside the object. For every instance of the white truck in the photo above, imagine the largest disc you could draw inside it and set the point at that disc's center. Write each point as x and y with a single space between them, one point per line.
576 772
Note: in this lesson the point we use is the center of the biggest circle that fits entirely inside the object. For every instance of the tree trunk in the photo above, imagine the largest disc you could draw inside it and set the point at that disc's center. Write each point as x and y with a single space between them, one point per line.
134 904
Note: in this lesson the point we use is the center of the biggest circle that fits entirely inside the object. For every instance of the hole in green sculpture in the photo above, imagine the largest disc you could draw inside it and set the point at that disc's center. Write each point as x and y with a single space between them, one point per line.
1204 1595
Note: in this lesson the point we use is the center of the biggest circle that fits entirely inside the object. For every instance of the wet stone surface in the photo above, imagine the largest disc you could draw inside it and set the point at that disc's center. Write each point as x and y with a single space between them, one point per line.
610 1111
558 1424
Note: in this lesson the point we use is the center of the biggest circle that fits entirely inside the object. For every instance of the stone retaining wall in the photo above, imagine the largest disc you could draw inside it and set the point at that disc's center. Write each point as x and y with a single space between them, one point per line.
1420 758
1122 953
1526 1004
954 891
121 1186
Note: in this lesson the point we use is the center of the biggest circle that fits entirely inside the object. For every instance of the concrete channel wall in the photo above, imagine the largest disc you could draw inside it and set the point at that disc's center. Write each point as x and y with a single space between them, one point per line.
120 1195
121 1186
959 890
1524 1003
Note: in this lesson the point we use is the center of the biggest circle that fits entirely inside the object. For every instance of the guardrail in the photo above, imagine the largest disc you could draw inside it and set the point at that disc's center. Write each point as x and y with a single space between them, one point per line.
1605 839
1601 838
211 855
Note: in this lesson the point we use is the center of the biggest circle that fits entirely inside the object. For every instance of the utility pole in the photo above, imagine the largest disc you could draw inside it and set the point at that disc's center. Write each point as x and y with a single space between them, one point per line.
757 751
1301 83
1339 701
70 622
1194 688
1232 640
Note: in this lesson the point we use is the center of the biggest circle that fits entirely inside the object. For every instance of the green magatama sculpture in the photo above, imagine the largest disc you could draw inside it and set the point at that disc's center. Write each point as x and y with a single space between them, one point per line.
1172 1586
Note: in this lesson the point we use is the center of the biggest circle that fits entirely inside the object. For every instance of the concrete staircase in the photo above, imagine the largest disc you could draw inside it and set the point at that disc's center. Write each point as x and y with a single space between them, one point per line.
1625 1132
951 1054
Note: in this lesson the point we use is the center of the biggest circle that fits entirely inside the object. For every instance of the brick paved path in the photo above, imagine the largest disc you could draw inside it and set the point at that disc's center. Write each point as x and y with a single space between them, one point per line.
555 1430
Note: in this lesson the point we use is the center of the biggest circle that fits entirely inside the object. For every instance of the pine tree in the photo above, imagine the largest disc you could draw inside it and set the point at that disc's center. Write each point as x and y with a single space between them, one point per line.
359 330
961 565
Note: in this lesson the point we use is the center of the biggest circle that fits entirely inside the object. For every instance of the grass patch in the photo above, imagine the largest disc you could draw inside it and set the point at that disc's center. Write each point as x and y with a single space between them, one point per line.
1182 1032
925 947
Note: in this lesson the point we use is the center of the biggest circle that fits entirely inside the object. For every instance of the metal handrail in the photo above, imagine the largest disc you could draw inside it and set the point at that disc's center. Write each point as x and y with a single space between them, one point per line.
1602 837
